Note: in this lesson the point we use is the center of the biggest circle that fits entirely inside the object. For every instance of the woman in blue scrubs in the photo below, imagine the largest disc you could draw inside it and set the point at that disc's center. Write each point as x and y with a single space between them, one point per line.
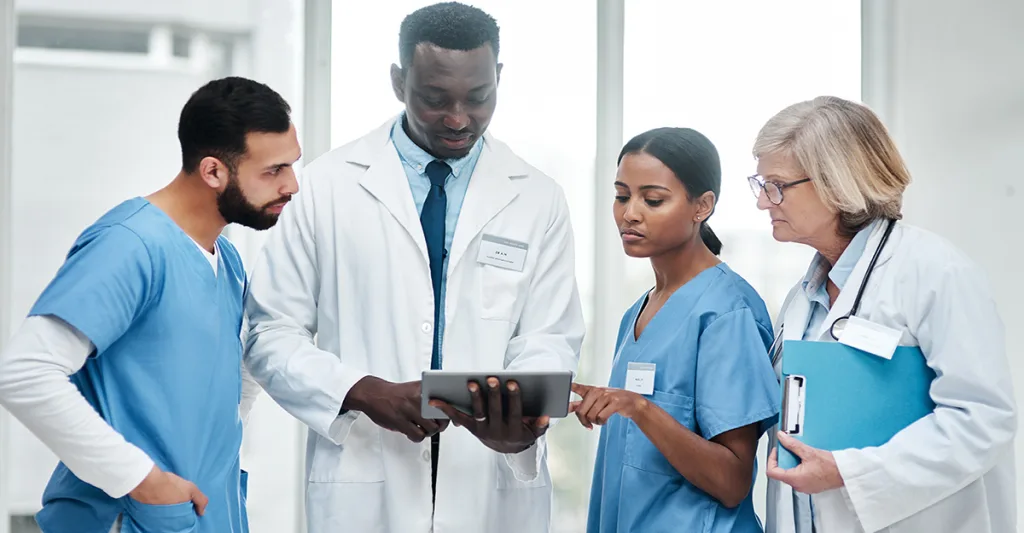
692 380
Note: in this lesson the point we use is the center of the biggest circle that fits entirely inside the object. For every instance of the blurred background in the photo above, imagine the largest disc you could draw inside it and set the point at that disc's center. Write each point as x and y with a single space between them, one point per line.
90 94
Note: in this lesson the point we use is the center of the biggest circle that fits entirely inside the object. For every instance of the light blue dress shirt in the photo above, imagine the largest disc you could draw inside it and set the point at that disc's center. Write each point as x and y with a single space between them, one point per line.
815 287
414 161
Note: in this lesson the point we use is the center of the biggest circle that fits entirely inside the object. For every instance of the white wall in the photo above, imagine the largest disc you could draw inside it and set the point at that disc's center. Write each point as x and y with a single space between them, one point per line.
950 86
7 26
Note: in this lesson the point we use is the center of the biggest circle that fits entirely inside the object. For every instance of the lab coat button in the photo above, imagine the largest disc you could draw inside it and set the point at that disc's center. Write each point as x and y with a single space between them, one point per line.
425 327
426 456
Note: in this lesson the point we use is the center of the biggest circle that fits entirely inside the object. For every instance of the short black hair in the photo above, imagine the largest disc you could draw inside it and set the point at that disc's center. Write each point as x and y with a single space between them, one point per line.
450 25
219 115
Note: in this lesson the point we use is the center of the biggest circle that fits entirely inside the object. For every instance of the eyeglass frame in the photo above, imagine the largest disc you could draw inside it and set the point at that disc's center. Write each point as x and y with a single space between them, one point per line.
761 182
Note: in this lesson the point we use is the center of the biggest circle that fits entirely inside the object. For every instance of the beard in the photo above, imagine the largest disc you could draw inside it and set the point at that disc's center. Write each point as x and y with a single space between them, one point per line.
236 209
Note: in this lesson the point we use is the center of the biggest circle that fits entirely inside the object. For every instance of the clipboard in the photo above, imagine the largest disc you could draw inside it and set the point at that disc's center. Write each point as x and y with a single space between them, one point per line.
836 397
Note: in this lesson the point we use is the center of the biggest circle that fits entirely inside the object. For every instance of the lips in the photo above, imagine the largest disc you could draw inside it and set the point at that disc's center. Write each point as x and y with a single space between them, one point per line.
457 141
630 235
278 207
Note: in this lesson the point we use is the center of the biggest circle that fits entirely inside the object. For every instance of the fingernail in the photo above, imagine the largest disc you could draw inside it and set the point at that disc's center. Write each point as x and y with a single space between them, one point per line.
473 387
492 382
512 387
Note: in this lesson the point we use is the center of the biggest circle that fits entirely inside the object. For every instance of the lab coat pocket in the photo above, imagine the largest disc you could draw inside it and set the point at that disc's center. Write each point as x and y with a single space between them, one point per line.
358 460
499 291
640 452
144 518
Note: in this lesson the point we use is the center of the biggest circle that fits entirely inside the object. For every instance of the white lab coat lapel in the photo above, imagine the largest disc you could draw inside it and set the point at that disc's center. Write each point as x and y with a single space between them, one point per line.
490 190
796 315
386 180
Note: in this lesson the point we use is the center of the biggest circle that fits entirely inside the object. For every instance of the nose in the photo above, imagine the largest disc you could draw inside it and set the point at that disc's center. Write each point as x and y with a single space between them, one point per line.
631 213
457 119
763 203
291 183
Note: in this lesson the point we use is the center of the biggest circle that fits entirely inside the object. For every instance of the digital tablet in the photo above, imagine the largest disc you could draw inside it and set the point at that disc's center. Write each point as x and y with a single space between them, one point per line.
543 393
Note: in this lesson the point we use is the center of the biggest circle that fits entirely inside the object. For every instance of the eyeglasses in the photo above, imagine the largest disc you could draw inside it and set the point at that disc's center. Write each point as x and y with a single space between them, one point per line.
772 189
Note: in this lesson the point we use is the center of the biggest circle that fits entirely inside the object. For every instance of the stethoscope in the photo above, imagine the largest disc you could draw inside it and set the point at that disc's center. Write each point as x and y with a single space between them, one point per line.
840 323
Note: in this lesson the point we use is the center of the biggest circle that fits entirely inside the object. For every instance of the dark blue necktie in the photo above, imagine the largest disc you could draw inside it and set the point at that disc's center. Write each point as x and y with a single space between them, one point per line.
432 218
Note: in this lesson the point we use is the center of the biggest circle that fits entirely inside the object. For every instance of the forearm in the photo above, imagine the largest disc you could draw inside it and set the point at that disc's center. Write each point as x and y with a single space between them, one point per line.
709 466
35 388
307 382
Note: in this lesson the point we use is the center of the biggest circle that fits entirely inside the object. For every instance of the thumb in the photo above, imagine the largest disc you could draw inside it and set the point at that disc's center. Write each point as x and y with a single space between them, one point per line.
198 499
543 422
798 448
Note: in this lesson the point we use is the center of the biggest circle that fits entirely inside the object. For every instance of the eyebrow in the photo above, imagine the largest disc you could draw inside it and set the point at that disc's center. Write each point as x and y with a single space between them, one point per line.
644 187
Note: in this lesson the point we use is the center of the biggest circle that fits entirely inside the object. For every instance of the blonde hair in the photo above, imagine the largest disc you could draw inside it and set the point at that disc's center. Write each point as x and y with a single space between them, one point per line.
847 153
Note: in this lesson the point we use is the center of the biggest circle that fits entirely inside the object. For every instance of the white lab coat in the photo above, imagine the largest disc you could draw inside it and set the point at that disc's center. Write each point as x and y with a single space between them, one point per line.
342 289
953 470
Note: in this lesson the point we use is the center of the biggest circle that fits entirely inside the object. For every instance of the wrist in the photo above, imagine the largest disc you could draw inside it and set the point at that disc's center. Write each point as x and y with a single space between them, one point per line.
358 396
641 409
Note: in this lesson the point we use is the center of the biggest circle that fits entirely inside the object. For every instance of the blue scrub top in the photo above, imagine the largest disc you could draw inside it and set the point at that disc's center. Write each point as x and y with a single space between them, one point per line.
710 344
167 369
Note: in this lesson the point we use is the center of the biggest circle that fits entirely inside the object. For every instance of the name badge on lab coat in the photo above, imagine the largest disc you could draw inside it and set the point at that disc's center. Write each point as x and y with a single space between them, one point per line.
640 378
502 253
867 336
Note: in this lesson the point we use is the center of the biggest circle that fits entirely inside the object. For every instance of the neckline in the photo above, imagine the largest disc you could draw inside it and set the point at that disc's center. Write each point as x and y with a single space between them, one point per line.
672 297
197 251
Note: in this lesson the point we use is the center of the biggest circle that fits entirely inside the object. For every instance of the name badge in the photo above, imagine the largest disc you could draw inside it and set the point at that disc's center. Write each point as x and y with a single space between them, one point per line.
867 336
640 378
502 253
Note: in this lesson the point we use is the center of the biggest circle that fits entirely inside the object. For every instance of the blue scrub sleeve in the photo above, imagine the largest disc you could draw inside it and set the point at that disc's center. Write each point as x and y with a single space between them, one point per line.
736 385
103 285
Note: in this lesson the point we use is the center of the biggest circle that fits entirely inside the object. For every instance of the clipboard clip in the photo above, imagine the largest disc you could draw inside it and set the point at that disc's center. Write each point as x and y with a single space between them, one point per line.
793 394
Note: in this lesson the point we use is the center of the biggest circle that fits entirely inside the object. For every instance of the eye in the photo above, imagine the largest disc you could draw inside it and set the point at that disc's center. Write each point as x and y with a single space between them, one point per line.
621 199
654 203
432 102
479 100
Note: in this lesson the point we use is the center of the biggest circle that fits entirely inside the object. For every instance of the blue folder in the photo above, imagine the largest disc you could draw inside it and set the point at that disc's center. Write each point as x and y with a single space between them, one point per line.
837 397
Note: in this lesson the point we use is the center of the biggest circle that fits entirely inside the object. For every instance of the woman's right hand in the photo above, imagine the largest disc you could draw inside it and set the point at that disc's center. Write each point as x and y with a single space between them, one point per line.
598 404
165 488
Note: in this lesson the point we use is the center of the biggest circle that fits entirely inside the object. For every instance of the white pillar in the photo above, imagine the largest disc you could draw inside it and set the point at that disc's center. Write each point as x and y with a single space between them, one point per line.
7 44
609 267
949 83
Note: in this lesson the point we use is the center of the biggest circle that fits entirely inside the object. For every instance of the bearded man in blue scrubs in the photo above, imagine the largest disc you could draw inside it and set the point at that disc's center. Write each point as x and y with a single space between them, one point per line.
129 365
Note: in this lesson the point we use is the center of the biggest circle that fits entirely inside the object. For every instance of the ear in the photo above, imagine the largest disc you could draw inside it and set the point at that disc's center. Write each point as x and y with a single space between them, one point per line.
705 206
398 82
214 173
497 71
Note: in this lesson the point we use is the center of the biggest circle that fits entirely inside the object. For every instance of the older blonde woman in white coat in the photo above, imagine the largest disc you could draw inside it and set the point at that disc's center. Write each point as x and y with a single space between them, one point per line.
831 178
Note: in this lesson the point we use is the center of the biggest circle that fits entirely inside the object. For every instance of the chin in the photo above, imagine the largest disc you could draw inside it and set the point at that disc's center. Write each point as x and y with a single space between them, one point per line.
633 250
782 233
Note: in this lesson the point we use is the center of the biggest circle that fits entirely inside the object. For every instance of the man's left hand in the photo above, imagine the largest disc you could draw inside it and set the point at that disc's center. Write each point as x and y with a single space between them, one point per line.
503 432
816 473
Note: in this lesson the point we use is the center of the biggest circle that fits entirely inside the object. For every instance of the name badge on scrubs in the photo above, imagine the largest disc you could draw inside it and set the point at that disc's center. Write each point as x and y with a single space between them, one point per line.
867 336
502 253
640 378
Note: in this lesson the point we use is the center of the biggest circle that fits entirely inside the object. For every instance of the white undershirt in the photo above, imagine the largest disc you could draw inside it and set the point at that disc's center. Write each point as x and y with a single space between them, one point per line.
211 257
36 389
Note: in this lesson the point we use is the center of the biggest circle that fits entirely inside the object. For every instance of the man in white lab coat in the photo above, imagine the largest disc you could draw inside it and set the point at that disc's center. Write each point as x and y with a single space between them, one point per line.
384 266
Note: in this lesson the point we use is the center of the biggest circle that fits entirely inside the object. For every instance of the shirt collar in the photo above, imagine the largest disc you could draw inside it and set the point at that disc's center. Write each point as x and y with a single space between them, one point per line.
814 280
418 158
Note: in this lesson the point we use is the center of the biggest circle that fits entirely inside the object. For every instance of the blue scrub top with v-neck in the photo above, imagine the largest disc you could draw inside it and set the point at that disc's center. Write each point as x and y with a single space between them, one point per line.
166 373
709 343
